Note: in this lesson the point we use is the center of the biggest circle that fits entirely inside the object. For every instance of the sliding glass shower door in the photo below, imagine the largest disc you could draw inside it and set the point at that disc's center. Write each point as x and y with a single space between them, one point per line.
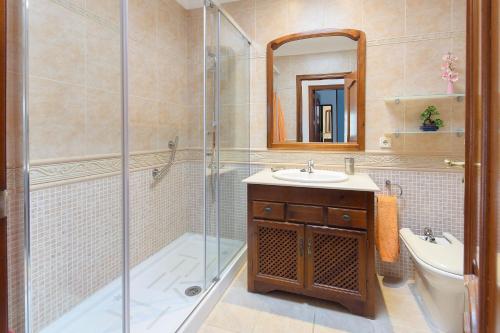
233 139
226 125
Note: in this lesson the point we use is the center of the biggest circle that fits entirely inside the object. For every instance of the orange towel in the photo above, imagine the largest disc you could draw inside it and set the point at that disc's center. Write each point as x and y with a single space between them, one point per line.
279 133
386 228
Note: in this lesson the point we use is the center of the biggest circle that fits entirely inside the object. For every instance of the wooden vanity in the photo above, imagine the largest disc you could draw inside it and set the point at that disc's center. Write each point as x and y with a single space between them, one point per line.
313 239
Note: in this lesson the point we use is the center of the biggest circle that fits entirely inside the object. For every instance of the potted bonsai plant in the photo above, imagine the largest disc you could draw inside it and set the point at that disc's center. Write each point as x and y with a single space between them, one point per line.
430 124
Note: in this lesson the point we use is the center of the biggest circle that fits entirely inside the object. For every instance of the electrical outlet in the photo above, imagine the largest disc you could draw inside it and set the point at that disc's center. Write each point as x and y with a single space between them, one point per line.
385 142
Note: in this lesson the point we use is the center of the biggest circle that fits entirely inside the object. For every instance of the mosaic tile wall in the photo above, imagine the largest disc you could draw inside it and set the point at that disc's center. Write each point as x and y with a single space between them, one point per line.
430 199
76 229
75 244
15 248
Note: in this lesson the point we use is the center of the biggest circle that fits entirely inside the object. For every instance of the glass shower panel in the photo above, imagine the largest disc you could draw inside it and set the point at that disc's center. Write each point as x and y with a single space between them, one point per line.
212 98
166 169
74 112
234 139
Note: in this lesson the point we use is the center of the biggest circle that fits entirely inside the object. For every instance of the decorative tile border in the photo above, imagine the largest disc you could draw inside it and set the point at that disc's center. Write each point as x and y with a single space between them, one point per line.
366 160
415 38
47 172
44 173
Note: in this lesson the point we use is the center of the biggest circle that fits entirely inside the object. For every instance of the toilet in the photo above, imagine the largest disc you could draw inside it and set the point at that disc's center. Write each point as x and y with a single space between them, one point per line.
439 278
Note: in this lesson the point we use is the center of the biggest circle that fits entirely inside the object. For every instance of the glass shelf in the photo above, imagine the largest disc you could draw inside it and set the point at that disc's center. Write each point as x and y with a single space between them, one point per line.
398 99
397 133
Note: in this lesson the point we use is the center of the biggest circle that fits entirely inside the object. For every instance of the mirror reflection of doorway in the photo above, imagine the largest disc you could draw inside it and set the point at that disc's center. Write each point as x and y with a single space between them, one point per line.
326 116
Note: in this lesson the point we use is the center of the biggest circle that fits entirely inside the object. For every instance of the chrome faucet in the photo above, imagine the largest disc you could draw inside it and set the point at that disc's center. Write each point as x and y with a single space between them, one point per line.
310 166
429 235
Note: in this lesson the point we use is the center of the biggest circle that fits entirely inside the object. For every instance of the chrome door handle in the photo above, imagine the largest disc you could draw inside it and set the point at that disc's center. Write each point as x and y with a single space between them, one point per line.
450 163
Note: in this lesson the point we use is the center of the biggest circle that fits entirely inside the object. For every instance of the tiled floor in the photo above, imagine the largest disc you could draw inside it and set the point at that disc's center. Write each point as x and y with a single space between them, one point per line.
158 302
241 311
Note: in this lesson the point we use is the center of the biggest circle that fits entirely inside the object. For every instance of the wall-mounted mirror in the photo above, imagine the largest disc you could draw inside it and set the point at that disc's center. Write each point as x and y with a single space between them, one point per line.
316 90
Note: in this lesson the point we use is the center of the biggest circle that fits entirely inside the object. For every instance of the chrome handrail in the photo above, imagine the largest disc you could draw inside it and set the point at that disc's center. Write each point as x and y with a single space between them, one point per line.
159 173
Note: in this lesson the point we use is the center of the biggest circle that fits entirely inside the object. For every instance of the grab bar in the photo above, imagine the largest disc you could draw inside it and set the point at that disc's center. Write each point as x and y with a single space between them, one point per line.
159 173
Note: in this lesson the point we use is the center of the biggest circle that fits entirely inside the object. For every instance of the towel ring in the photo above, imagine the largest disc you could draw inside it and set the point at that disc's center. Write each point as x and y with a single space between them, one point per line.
389 184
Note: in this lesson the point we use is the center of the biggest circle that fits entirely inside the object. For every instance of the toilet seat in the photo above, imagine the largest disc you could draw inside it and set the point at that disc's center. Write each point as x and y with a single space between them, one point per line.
445 257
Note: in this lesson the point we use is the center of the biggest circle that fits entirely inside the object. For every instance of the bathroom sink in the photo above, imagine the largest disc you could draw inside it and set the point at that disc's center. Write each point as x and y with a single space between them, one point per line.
317 176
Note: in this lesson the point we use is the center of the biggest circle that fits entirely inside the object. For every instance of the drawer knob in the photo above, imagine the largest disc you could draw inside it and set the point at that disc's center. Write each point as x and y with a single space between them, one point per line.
346 218
268 209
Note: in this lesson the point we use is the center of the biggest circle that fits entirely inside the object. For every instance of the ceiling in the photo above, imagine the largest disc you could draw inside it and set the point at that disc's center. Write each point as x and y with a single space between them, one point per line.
192 4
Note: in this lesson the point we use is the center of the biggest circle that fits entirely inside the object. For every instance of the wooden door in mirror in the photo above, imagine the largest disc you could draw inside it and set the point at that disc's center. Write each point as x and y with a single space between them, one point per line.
316 91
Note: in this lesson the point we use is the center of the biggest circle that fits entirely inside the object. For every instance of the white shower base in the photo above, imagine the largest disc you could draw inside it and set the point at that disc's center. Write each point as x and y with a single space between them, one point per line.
158 302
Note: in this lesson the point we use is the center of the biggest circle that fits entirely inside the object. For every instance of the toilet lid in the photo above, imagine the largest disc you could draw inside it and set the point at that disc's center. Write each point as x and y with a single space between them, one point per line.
447 256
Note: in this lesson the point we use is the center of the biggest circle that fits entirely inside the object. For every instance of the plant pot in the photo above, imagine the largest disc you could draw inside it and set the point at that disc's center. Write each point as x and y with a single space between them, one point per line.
429 128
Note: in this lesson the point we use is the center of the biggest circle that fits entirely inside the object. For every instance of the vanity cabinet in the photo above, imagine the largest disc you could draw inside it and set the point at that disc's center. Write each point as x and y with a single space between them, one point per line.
312 241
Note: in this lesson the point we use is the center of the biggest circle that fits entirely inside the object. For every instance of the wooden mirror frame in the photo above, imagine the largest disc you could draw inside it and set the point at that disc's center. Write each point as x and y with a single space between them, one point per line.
356 35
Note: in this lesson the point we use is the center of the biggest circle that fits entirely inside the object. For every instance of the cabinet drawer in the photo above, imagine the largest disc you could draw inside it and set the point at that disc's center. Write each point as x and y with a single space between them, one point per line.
349 218
268 210
302 213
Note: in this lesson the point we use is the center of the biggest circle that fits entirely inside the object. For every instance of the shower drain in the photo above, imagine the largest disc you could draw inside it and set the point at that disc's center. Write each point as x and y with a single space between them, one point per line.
193 291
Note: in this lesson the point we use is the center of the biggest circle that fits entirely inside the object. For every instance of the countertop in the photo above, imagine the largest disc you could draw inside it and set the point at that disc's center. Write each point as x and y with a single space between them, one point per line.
356 182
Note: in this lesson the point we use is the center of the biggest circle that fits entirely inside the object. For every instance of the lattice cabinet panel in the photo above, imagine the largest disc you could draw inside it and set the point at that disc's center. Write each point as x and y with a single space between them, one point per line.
336 260
279 249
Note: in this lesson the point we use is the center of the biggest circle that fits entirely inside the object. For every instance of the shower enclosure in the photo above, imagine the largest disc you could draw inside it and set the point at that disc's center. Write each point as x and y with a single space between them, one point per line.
136 130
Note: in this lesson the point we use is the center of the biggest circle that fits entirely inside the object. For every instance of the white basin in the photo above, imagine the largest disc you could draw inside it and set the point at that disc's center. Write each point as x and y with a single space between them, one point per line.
318 176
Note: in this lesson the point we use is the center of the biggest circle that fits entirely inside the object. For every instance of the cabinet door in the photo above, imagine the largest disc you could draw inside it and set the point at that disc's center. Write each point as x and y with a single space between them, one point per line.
336 262
278 256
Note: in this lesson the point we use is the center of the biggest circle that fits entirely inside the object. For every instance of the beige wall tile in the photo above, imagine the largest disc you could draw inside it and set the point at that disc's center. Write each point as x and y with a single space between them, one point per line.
458 114
143 20
243 12
172 80
423 66
305 15
459 15
428 143
142 137
143 71
258 125
271 20
143 111
57 119
103 57
384 70
259 80
343 14
103 134
106 9
57 42
172 28
383 18
427 16
383 118
166 54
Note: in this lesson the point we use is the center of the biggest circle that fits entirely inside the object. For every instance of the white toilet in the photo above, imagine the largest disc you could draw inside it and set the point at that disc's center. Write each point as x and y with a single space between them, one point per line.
439 278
